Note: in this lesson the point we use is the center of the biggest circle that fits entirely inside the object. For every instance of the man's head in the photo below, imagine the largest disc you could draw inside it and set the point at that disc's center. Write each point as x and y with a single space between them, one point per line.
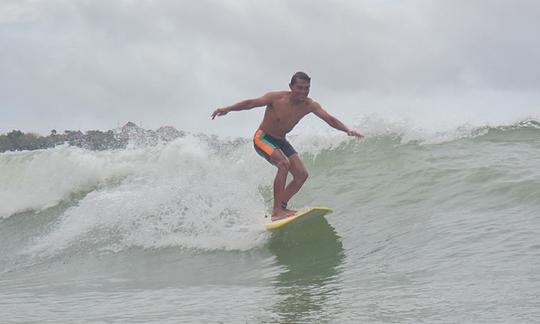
300 83
300 76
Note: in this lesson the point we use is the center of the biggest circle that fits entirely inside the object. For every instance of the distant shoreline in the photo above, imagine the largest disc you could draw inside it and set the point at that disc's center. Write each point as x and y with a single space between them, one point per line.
92 139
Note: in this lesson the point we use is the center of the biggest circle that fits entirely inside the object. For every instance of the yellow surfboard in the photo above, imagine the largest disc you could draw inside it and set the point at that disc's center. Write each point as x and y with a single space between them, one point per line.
303 214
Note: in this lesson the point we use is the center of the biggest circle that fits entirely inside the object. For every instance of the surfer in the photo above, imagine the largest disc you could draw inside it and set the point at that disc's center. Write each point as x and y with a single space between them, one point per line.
284 109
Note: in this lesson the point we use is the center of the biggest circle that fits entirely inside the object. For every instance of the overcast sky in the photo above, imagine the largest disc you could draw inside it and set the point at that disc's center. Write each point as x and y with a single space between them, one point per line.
96 64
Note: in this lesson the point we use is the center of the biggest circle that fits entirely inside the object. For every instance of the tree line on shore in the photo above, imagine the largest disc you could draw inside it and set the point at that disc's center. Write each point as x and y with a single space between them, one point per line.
92 139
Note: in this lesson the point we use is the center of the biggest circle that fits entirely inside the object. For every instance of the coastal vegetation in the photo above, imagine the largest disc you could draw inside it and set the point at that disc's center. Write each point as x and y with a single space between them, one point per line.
16 140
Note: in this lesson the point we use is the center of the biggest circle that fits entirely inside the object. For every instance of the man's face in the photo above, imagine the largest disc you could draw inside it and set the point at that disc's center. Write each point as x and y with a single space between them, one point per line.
299 89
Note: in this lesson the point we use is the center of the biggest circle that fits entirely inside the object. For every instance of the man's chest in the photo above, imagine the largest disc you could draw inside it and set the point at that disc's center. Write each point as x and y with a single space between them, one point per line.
287 112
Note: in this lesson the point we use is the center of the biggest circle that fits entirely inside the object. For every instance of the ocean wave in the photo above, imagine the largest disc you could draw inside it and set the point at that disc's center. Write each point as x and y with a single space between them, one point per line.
37 180
407 132
207 193
189 193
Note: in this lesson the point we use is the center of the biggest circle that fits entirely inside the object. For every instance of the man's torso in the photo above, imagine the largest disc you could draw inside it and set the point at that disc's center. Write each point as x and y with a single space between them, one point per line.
281 116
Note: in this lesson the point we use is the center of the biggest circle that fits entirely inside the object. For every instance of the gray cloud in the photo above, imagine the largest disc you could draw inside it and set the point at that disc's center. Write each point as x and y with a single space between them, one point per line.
91 64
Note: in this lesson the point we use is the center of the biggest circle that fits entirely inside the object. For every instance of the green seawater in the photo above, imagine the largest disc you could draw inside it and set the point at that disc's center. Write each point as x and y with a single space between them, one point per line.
422 232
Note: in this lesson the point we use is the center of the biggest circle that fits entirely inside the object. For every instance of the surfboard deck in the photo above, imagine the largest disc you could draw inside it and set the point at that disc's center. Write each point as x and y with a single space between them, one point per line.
300 215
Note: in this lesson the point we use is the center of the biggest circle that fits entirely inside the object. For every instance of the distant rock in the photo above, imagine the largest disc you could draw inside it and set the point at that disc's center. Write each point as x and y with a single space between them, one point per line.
169 133
139 136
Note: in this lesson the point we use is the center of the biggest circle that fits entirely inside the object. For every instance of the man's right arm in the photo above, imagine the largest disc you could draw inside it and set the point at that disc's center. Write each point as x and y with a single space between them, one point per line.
265 100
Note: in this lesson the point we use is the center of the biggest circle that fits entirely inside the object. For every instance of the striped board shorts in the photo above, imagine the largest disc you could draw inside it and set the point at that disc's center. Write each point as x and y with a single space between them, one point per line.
265 145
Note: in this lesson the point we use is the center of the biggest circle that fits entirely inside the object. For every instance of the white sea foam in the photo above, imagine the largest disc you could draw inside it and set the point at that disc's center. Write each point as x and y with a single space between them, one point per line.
180 194
40 179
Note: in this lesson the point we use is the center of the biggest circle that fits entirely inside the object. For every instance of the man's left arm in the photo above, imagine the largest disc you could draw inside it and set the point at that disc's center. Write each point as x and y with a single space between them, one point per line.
333 121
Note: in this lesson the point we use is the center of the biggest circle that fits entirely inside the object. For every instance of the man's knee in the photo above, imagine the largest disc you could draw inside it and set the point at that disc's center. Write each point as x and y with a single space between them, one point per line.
302 175
283 164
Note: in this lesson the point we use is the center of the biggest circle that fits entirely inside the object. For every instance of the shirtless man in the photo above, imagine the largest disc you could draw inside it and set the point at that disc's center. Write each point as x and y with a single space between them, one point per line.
284 109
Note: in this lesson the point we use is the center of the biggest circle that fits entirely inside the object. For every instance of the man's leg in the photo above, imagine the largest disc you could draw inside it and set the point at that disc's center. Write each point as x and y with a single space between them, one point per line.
283 165
300 176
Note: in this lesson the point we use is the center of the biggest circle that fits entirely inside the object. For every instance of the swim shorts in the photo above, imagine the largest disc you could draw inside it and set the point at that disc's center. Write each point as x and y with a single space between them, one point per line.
265 145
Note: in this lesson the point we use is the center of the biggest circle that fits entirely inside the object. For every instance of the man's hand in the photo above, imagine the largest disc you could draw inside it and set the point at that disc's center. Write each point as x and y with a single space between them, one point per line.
355 134
219 112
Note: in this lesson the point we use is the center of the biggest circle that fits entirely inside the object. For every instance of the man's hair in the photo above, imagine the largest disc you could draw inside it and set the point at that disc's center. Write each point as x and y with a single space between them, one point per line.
301 76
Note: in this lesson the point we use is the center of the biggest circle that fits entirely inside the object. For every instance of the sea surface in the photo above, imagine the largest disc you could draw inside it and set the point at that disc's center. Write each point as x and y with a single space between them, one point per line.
428 227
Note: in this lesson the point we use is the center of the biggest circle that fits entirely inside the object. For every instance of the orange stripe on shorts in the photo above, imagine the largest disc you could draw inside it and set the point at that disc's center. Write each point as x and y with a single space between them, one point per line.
262 144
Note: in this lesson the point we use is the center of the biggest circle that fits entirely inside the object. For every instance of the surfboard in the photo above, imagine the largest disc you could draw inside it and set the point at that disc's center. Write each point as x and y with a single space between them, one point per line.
301 215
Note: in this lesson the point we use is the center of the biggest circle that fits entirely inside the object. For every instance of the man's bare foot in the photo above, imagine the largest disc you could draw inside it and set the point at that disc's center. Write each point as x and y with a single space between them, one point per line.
280 214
